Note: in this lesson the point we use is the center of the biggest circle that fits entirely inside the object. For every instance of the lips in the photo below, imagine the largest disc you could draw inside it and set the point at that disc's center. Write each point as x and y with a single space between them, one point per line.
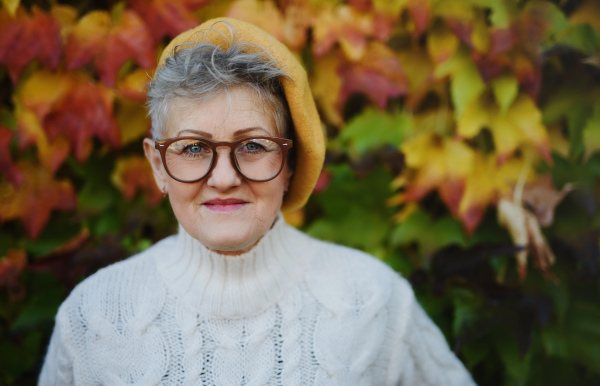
224 205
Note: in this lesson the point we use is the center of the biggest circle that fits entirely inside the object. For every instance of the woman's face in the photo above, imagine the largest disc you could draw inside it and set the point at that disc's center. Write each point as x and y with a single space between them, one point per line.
235 225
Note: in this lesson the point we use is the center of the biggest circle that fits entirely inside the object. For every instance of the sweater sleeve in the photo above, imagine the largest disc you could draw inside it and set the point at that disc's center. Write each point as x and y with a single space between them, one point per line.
58 364
420 354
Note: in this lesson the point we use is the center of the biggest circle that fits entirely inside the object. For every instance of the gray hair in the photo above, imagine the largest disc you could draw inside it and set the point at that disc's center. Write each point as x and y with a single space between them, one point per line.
201 71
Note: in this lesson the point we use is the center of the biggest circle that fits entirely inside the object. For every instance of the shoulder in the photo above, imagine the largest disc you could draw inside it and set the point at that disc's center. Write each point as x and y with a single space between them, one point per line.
132 283
340 276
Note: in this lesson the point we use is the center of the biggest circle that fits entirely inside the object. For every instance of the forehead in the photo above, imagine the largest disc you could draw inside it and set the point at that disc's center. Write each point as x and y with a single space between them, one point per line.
220 117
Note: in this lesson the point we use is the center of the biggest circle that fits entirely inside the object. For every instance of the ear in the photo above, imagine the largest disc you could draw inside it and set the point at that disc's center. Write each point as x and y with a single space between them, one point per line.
153 156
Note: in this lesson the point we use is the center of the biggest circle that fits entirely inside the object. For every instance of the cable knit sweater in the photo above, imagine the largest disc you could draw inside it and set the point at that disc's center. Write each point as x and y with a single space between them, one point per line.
292 311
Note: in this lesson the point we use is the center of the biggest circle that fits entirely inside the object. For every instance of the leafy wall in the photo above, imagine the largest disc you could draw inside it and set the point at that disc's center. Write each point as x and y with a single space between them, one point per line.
463 151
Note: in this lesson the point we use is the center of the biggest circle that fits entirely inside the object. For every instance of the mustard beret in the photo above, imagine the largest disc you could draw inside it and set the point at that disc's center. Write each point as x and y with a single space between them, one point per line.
309 142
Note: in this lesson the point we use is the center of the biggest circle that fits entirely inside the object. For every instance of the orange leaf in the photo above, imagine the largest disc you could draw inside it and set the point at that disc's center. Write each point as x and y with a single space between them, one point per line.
50 153
379 76
134 85
38 195
27 37
167 17
6 165
109 44
133 174
350 28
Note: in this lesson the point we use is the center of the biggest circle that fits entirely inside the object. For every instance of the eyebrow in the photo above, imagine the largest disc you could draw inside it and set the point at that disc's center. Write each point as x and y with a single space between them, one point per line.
235 134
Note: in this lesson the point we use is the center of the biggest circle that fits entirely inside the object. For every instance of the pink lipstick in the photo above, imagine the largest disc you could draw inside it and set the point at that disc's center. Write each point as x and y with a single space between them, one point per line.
227 205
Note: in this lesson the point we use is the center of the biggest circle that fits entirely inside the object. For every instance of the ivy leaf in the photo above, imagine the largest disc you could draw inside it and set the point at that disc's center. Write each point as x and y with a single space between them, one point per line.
134 173
542 197
11 6
84 112
11 266
348 27
134 85
109 44
591 133
167 17
505 90
26 37
50 153
7 167
520 125
326 85
437 163
38 195
379 76
430 234
373 129
263 14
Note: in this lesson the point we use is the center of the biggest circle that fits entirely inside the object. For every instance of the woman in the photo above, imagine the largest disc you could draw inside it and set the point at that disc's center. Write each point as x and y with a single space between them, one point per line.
238 297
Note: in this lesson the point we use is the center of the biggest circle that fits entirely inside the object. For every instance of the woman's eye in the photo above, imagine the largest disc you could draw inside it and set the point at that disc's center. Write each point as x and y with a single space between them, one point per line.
195 148
253 146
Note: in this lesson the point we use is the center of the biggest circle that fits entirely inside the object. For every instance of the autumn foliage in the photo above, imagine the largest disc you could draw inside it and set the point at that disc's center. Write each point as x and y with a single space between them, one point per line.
463 150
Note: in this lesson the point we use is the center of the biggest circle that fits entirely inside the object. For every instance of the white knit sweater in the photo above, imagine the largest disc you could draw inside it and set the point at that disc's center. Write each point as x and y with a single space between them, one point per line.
292 311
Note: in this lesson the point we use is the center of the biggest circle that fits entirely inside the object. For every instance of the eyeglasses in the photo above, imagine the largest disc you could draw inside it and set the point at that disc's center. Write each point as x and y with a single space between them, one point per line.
190 159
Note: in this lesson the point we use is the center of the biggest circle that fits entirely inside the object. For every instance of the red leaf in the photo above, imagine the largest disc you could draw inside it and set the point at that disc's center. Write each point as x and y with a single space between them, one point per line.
81 114
167 17
96 37
420 12
11 266
35 199
379 76
7 167
27 37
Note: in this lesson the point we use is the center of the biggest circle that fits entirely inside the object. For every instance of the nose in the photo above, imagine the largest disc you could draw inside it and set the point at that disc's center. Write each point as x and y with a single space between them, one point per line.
223 175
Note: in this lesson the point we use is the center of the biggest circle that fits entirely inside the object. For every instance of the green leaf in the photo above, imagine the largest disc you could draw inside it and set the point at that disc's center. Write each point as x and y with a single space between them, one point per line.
465 83
517 368
60 229
41 307
354 209
591 132
429 234
505 88
374 129
581 37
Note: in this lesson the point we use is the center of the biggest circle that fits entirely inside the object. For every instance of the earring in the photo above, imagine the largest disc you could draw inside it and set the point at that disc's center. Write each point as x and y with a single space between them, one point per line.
165 192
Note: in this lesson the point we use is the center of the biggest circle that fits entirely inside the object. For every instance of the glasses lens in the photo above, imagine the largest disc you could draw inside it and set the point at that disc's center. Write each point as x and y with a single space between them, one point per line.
188 159
259 158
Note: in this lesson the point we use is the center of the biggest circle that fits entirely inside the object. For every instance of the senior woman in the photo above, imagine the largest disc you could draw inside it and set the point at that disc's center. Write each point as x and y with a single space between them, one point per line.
238 297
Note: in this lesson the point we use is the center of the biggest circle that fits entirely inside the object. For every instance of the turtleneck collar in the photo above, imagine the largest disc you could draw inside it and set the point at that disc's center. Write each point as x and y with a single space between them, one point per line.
225 286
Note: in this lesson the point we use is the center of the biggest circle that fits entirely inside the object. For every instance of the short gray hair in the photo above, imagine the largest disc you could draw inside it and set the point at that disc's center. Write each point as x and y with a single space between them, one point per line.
201 71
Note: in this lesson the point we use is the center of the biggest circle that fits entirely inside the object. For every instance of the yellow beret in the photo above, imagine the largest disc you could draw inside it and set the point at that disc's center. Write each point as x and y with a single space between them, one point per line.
309 140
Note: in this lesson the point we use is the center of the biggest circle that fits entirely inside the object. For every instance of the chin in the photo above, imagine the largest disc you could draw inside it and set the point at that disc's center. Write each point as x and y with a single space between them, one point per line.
228 241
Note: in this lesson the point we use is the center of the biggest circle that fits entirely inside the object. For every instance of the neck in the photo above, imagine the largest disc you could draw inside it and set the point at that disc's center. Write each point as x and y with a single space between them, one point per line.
236 285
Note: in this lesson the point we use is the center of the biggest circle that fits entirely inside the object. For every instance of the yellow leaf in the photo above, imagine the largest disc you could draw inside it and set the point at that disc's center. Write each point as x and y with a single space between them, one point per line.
520 125
505 88
441 164
441 43
391 7
263 14
326 85
588 12
11 6
132 119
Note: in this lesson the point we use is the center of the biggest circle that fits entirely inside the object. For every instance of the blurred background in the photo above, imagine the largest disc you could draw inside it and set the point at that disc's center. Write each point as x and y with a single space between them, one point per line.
463 151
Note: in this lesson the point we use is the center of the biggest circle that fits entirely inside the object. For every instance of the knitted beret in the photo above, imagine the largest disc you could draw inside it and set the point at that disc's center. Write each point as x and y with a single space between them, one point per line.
309 141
